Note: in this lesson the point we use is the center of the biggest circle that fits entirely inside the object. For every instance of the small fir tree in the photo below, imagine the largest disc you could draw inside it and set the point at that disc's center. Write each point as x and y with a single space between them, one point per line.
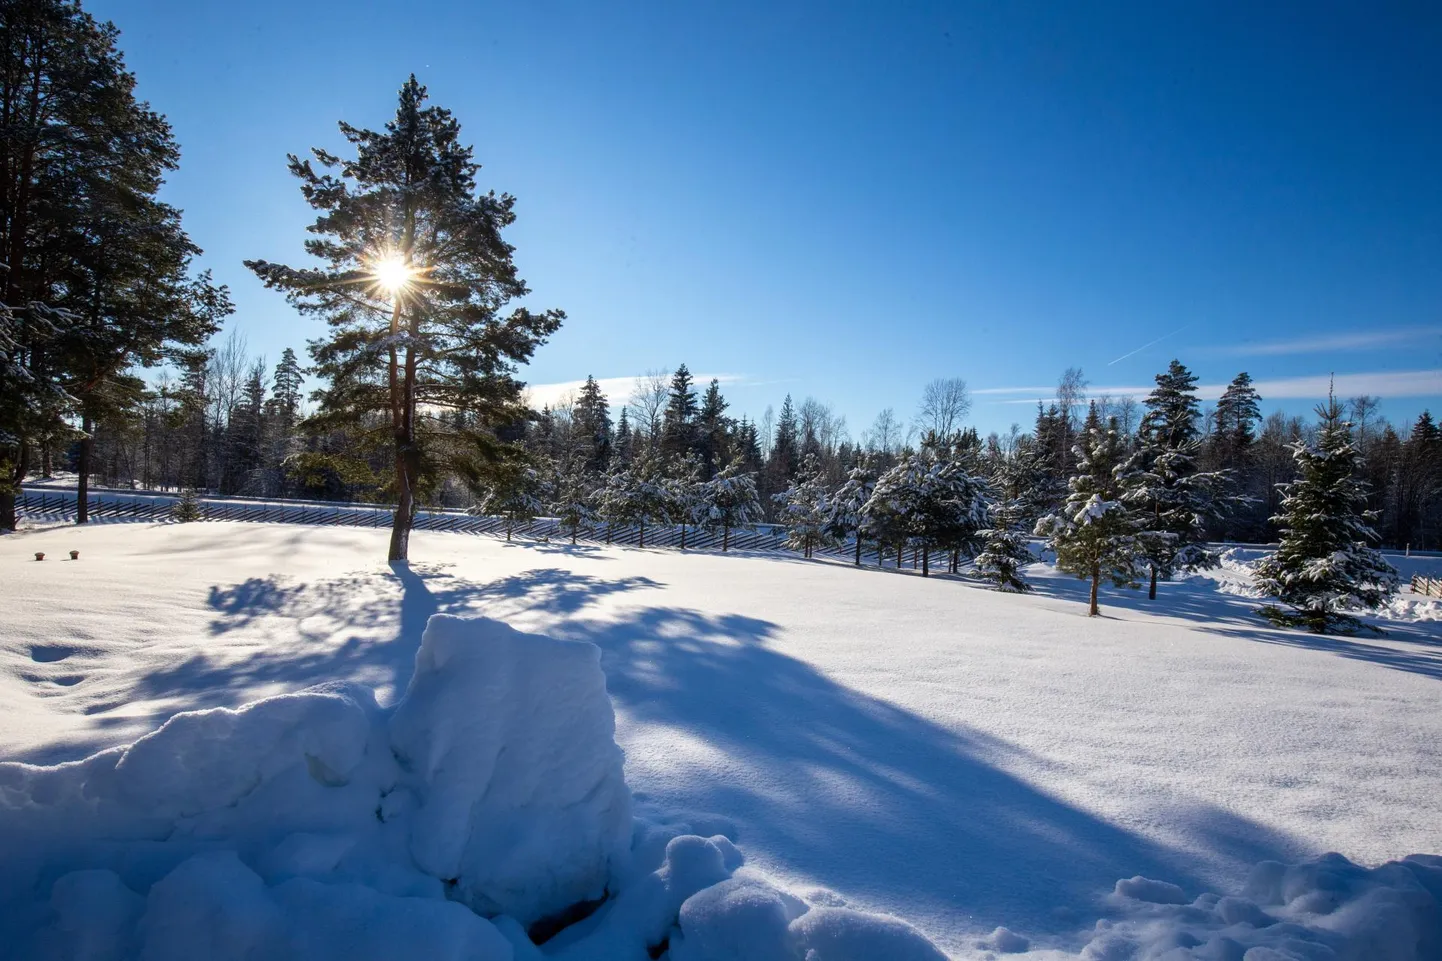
730 500
804 507
845 509
1095 534
515 495
684 500
1325 566
574 492
187 507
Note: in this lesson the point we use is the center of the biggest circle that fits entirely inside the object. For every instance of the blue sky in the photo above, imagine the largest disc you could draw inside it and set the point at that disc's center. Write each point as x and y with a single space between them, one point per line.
846 200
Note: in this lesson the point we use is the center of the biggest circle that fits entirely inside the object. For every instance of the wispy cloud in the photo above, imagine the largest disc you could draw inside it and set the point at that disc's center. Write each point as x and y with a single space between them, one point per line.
1385 384
1320 343
617 389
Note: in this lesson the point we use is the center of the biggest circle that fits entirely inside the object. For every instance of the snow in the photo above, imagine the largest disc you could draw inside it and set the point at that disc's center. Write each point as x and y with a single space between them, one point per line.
983 766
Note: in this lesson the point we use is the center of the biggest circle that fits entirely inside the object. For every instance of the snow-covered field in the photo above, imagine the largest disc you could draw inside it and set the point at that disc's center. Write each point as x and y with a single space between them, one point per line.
924 748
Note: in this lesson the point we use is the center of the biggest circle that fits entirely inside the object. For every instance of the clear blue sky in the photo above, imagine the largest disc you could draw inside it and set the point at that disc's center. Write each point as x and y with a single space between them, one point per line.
846 200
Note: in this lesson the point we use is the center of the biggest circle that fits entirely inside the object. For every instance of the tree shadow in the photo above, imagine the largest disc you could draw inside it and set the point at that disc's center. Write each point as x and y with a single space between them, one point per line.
828 783
866 796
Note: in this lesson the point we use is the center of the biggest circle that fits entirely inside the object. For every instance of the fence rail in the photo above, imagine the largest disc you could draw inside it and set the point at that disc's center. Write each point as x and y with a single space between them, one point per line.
52 505
1427 586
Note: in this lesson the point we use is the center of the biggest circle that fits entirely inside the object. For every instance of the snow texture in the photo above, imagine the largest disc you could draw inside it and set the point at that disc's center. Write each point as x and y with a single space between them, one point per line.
942 753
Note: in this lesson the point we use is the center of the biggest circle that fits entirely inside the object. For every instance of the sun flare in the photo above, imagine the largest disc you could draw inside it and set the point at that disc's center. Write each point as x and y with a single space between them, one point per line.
393 274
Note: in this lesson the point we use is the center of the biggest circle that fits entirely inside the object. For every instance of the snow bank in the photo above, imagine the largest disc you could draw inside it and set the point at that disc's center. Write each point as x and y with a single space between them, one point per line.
1328 909
317 826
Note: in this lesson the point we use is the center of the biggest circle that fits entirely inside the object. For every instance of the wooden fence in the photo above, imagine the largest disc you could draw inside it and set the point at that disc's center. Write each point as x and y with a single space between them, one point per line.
112 506
1427 586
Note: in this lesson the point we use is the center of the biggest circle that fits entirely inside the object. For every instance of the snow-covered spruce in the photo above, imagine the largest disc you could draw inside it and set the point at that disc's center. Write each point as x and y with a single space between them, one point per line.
488 803
804 508
1095 535
1325 566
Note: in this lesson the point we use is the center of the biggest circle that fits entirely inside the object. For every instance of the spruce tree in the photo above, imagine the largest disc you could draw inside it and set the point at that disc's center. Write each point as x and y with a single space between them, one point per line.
592 419
1325 566
516 494
730 500
1095 534
416 277
1162 483
684 500
713 430
573 495
804 507
1005 551
622 452
678 423
286 389
846 508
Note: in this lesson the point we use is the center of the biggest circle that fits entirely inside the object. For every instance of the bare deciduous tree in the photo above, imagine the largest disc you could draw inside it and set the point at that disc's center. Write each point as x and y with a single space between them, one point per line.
1071 395
945 402
648 402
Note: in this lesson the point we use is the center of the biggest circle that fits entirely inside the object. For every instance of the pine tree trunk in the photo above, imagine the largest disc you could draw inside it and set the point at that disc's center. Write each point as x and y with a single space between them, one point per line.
725 538
1094 610
82 469
573 534
1152 591
925 559
402 383
899 548
508 530
858 548
643 533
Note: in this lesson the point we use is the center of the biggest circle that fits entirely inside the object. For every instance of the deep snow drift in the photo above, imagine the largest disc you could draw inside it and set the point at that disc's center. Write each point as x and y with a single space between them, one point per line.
951 756
315 826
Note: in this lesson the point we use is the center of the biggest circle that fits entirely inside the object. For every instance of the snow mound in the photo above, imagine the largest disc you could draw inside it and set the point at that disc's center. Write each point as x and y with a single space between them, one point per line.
487 805
1328 909
523 808
496 782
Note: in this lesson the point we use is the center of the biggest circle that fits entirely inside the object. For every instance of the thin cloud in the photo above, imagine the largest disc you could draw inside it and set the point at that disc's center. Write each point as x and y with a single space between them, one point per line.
1143 347
1359 340
1384 384
617 389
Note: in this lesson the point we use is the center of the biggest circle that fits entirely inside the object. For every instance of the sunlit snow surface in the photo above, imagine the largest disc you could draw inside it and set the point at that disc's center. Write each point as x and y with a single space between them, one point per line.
984 766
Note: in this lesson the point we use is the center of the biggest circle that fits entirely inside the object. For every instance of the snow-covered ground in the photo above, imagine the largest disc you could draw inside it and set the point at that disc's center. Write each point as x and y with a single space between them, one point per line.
925 748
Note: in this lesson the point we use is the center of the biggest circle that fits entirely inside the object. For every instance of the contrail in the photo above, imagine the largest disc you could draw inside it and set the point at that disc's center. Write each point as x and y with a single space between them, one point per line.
1152 344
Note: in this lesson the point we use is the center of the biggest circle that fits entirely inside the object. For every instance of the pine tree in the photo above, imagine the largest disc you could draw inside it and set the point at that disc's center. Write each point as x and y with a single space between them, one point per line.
930 500
713 430
592 419
95 275
730 500
1162 483
1325 566
1095 534
417 274
187 507
573 495
516 494
684 500
678 423
804 507
1005 551
622 452
846 508
1237 414
286 389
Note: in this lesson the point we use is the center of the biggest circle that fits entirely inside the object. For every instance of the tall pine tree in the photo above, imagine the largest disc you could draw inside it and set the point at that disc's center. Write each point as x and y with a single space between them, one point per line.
416 277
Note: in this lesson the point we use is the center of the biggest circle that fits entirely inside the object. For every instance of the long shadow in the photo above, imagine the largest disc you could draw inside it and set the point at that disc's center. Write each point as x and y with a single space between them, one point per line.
825 781
868 797
381 627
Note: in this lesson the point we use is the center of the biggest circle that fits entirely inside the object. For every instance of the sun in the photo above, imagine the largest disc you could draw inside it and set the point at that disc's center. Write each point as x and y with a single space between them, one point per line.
392 273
